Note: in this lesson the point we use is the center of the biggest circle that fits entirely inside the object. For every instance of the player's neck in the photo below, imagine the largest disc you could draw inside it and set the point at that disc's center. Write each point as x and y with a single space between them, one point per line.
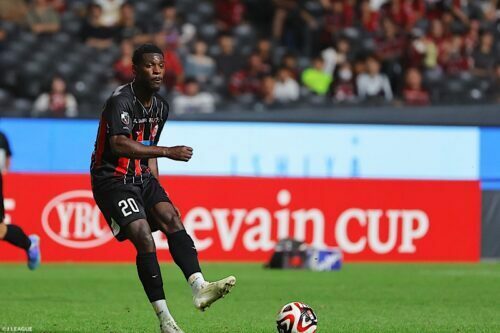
144 95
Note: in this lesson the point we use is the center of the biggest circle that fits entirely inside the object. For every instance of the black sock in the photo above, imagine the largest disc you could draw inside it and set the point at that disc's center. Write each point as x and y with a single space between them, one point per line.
16 236
183 252
150 275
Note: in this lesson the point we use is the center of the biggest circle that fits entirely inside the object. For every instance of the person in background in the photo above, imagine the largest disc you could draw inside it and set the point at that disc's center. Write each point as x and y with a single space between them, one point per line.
247 81
316 79
289 61
123 66
42 19
56 103
343 87
198 64
228 61
11 233
267 92
373 85
192 100
93 33
413 92
110 12
129 28
229 14
484 56
174 71
286 88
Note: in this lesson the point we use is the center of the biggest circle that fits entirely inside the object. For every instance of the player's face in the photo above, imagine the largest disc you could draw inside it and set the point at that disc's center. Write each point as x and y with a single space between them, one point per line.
150 71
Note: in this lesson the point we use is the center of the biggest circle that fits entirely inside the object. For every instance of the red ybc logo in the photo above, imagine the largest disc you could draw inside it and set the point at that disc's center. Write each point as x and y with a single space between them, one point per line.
73 219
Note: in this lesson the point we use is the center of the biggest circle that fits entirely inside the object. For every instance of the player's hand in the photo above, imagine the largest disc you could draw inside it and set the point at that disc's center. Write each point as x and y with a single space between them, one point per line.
180 153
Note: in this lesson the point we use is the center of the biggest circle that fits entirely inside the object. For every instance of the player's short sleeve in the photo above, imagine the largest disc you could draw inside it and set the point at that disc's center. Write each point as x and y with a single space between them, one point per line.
117 113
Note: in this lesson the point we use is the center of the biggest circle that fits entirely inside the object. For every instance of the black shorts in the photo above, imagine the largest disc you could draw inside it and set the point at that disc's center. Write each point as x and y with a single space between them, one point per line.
122 203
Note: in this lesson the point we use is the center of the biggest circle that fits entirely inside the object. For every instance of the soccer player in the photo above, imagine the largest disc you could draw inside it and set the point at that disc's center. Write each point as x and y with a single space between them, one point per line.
11 233
126 188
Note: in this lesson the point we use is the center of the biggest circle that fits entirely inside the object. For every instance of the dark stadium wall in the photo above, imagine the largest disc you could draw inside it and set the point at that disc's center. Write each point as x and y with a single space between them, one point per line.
490 233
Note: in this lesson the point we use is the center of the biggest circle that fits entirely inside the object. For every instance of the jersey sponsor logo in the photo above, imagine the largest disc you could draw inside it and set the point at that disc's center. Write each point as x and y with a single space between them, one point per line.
73 219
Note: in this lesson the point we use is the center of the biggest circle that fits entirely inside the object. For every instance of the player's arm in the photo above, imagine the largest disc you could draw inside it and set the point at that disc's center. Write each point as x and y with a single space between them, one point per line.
126 147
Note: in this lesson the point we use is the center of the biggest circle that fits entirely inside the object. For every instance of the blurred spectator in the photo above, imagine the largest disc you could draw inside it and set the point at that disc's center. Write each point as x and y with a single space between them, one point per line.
423 52
42 18
286 89
404 13
192 100
13 10
129 28
228 62
264 49
123 66
496 83
295 26
177 32
373 85
289 61
390 46
56 103
333 57
247 81
343 87
229 14
3 37
93 33
316 79
454 58
339 15
174 71
414 93
198 64
368 16
484 56
267 92
110 12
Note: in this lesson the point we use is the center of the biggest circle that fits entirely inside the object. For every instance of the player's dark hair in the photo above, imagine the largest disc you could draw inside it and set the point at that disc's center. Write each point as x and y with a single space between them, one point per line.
144 49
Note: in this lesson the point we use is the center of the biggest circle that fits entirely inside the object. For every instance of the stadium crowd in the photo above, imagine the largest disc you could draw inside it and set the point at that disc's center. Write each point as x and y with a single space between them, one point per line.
250 54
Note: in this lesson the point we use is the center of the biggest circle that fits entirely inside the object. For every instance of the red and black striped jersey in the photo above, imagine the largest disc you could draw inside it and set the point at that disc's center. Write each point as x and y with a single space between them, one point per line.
124 114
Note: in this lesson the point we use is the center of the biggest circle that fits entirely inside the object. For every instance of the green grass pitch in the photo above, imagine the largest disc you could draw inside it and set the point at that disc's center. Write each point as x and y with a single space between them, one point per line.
360 298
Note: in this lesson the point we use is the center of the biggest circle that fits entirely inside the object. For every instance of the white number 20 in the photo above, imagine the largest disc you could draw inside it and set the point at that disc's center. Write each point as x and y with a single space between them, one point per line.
128 206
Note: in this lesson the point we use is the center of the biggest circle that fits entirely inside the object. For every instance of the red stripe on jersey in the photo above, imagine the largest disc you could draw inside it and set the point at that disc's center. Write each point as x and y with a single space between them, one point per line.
101 141
122 167
140 138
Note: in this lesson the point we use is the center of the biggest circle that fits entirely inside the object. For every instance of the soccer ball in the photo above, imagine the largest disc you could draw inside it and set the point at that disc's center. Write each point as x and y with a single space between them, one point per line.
296 317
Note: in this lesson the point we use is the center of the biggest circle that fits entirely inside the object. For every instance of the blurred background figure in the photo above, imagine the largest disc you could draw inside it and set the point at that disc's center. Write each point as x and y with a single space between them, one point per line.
110 12
414 93
373 86
123 67
286 88
192 100
42 19
93 33
198 64
316 79
57 102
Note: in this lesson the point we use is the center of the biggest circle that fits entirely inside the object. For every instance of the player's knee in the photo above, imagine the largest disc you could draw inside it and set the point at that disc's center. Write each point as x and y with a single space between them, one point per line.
171 222
140 235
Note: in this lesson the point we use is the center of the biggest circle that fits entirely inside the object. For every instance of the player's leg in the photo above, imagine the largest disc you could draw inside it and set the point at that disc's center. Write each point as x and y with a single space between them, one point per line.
148 269
124 211
184 253
15 235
